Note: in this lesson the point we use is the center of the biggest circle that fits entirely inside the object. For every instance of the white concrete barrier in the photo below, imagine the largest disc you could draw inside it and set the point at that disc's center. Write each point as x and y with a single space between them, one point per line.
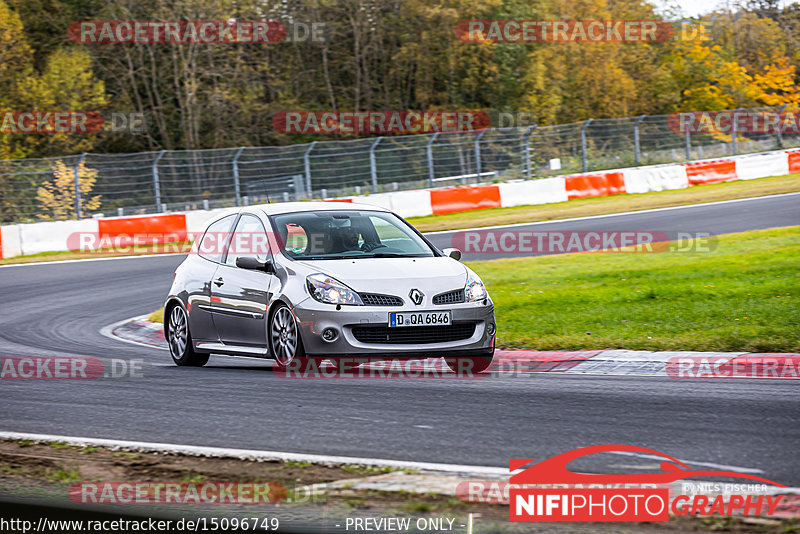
542 191
53 236
657 178
10 239
762 165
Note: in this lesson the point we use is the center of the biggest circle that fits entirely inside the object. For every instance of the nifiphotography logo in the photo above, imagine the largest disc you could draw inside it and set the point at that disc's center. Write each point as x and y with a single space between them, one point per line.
548 491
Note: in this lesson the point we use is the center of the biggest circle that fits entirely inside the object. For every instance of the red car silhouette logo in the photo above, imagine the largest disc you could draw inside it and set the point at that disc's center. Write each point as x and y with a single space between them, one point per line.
554 470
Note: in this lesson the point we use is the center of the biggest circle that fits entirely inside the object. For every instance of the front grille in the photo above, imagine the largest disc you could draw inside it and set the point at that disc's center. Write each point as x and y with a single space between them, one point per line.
451 297
413 334
374 299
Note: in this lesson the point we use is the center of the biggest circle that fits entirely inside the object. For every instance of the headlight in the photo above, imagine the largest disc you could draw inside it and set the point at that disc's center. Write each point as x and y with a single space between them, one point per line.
331 291
474 289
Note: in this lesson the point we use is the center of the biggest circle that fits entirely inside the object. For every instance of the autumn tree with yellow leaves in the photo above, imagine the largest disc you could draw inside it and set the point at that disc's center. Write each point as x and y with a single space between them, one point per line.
56 197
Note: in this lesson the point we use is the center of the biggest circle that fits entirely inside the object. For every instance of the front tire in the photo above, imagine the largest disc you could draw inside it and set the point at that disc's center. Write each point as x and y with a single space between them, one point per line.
181 348
285 342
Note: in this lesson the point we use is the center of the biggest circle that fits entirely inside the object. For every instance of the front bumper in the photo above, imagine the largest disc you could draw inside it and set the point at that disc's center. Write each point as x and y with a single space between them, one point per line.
314 317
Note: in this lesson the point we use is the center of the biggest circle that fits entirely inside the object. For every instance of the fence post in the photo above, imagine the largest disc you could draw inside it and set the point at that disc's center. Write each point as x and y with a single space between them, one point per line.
637 148
373 167
236 190
687 143
478 155
429 154
526 147
778 129
307 165
583 144
733 132
156 185
78 211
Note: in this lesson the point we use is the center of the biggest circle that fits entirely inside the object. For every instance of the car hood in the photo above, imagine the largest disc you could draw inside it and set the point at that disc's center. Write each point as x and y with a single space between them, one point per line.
395 276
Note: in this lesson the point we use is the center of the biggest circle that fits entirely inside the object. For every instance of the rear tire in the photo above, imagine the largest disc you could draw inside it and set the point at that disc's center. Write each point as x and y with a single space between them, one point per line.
469 365
181 348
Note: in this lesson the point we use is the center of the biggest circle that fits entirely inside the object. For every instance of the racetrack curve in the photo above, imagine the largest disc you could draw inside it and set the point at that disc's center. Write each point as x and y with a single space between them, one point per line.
59 308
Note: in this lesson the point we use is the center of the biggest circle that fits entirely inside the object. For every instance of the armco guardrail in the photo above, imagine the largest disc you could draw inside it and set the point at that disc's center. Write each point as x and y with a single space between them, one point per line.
55 236
167 181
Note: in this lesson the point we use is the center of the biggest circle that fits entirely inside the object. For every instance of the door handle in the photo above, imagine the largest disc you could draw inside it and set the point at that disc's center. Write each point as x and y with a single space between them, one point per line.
219 281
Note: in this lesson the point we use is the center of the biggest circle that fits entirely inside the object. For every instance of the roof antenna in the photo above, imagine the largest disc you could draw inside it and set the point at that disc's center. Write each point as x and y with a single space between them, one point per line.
267 191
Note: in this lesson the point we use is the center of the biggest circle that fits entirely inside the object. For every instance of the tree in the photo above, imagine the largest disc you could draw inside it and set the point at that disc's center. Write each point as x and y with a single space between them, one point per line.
56 197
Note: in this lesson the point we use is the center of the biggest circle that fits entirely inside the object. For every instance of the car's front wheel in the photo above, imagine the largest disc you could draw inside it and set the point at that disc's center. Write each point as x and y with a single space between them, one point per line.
176 330
284 337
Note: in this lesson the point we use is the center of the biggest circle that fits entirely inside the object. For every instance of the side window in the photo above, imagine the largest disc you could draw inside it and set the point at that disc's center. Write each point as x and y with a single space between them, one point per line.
249 239
212 246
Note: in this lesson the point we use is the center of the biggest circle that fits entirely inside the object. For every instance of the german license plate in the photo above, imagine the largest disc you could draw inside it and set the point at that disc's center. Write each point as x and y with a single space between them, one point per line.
437 318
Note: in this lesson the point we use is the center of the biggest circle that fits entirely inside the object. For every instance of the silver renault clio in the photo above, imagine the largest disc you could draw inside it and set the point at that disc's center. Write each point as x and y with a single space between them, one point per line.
325 280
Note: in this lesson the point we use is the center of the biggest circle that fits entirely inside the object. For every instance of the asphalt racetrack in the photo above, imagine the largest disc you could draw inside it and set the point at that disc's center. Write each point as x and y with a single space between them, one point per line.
59 309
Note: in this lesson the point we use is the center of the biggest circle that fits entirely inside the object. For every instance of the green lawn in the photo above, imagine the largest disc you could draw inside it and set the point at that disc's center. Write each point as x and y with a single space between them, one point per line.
744 296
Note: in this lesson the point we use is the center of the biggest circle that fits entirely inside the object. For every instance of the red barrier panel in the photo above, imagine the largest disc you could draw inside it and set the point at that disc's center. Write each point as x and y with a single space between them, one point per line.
458 199
794 161
340 200
595 185
168 228
711 172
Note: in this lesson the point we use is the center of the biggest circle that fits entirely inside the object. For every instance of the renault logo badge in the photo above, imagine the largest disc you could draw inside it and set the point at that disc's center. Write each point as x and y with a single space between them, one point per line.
416 296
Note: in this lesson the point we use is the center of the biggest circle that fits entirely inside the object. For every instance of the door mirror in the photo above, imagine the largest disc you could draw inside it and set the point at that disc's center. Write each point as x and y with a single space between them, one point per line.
453 253
248 262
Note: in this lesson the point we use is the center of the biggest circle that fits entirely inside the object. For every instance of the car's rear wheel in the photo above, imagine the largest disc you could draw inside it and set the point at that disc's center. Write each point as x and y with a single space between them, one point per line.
284 337
469 365
180 340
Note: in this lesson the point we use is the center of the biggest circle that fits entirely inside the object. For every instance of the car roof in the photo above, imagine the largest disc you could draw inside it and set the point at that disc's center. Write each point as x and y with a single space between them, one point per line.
295 207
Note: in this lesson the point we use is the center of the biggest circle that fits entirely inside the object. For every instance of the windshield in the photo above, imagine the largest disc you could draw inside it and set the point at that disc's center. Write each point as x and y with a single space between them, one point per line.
335 235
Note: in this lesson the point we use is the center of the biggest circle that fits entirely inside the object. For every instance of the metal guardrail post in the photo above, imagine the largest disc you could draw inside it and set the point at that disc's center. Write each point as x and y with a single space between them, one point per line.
429 154
76 173
526 147
156 184
583 144
637 148
373 167
478 155
307 165
236 191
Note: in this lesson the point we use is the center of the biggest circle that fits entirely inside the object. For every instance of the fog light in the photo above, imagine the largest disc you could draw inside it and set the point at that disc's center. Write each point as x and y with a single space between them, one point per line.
490 329
329 334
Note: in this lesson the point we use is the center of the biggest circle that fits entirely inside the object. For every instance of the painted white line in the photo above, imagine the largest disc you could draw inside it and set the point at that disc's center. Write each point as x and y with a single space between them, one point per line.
222 452
588 217
108 331
94 259
704 464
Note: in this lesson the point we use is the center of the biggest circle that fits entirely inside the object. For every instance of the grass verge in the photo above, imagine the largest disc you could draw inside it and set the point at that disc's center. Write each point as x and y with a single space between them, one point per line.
741 297
586 207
